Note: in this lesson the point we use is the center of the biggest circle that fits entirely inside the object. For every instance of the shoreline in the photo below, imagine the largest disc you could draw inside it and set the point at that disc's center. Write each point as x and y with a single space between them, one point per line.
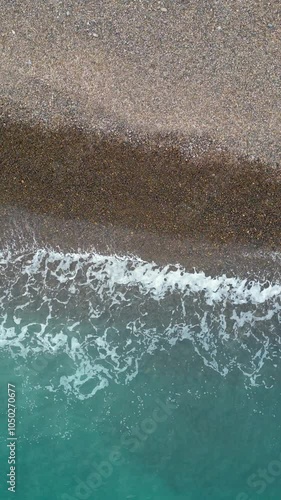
155 125
22 230
166 185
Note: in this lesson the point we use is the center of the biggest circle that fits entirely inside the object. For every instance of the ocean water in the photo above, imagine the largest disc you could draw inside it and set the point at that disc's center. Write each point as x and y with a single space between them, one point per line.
135 381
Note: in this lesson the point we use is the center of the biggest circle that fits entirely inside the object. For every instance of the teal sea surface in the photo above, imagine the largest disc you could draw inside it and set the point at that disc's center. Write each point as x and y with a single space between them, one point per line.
136 381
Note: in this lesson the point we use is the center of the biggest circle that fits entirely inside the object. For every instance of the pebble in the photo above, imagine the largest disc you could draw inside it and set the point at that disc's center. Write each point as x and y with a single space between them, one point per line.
163 9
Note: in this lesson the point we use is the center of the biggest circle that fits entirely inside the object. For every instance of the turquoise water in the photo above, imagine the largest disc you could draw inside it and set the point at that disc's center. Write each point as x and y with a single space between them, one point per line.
135 381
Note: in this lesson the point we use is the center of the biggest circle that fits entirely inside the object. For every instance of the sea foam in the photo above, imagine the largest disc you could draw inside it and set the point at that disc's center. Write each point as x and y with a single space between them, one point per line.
110 314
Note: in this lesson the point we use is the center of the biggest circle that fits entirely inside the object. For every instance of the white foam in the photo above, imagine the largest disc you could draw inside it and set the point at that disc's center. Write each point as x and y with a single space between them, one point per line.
105 313
113 270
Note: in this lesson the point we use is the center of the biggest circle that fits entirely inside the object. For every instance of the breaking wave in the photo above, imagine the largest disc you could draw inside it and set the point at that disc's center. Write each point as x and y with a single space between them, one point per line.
103 315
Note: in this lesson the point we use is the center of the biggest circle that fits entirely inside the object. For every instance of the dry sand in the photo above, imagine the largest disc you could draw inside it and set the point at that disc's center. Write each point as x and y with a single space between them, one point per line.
157 118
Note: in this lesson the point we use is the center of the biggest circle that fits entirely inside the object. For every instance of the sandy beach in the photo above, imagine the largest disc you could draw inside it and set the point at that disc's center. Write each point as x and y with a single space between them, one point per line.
156 118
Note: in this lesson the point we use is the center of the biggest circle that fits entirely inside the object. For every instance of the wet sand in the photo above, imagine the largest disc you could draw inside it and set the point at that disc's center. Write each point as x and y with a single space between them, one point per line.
23 230
147 183
155 125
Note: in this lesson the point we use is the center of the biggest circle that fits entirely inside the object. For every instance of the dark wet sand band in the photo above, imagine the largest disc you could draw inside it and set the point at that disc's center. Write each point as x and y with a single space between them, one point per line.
156 128
72 190
145 183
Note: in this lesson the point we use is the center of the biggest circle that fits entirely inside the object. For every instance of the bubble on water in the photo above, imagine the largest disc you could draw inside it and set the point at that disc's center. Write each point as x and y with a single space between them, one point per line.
105 314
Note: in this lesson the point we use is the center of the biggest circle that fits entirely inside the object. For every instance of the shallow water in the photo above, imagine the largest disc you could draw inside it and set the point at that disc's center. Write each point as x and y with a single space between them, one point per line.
136 381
